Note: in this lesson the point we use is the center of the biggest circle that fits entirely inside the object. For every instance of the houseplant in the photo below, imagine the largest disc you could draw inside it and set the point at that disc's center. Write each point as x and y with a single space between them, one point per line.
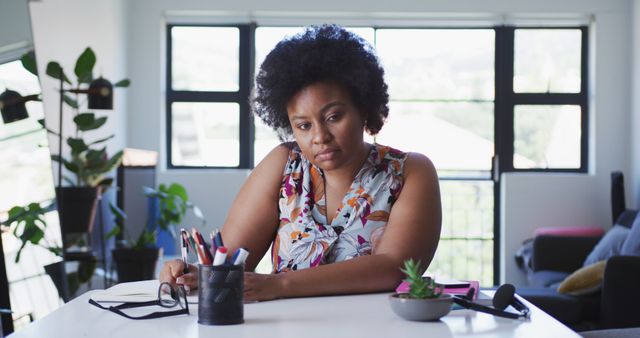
136 257
28 224
425 300
88 161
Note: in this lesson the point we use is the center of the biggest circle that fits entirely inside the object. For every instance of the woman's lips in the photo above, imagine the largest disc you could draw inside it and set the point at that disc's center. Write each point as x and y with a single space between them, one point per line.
326 155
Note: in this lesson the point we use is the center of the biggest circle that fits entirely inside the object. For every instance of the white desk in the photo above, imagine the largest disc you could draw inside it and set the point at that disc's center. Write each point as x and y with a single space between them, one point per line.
341 316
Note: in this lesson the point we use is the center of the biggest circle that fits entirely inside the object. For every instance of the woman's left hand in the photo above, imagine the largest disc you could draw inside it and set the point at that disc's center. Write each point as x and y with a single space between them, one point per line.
258 287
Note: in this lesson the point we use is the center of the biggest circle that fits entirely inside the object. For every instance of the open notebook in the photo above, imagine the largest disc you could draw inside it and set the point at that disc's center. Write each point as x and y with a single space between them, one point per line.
135 292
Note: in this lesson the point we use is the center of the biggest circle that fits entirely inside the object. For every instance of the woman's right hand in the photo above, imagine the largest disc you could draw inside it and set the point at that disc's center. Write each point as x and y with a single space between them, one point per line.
173 273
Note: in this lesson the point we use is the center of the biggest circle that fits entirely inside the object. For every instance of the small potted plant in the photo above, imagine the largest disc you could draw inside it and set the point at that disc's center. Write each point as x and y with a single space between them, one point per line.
28 224
136 258
425 300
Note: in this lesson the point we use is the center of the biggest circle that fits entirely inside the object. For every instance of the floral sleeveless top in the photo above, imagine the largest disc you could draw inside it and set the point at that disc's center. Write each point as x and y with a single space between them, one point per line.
304 239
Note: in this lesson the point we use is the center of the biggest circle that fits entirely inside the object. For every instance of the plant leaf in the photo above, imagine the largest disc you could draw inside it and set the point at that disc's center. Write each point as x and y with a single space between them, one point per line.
122 83
198 212
114 161
77 145
106 182
114 232
96 159
102 140
69 180
88 121
84 66
72 167
178 190
119 213
28 60
71 102
84 119
55 71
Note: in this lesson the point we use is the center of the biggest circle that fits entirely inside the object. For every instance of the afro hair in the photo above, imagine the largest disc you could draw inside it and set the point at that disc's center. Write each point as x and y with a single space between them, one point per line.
320 53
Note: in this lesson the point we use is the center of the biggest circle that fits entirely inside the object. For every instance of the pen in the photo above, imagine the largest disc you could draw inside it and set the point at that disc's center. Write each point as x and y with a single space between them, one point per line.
207 256
214 247
218 239
221 256
190 241
240 256
185 251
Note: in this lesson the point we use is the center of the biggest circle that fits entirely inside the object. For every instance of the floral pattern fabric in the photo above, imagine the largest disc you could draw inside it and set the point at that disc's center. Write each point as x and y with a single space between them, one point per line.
305 239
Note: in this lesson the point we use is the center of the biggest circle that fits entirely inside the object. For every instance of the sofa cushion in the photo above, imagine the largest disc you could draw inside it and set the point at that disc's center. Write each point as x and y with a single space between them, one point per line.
567 309
546 278
584 281
631 246
609 245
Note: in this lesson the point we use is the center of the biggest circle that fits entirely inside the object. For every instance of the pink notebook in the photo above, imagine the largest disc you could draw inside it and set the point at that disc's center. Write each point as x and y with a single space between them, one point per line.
452 288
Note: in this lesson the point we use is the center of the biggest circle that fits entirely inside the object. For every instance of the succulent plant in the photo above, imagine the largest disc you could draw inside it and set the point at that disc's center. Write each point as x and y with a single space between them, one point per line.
419 287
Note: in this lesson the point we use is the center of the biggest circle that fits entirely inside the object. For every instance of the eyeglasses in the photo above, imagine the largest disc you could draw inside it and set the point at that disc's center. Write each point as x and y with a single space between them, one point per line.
168 297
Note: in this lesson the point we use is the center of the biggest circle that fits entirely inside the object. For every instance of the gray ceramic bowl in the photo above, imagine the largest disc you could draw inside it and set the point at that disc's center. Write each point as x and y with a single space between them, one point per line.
421 309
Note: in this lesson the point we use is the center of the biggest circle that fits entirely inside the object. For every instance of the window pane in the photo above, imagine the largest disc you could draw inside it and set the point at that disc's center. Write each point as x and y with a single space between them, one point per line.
547 137
205 134
547 60
465 250
25 161
455 136
265 140
268 37
205 58
438 63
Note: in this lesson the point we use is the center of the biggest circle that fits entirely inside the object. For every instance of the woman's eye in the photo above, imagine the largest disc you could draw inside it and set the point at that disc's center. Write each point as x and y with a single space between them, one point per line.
333 117
304 126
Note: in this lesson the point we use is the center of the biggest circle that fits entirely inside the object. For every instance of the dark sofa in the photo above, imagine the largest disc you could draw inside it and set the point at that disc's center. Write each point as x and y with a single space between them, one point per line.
553 258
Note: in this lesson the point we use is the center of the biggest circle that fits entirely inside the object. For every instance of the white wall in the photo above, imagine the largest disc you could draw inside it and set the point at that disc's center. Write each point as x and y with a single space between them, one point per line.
635 107
530 200
62 29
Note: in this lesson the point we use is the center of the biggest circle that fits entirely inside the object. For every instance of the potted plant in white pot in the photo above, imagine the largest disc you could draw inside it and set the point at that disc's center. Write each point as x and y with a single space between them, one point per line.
425 300
136 258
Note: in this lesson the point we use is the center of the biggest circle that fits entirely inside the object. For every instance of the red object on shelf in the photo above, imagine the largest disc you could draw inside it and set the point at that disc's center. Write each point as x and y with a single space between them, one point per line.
581 231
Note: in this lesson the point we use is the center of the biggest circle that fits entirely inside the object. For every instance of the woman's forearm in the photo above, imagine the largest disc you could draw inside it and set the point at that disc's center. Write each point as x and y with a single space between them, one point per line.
359 275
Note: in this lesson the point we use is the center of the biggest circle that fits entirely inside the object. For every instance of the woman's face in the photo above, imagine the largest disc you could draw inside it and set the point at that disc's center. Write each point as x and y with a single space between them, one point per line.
327 125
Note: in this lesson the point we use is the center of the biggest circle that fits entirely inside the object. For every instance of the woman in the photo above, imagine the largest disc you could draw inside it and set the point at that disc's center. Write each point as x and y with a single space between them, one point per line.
342 214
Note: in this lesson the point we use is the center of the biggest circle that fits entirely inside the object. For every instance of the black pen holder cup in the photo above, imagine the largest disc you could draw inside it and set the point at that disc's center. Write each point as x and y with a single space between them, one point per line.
220 294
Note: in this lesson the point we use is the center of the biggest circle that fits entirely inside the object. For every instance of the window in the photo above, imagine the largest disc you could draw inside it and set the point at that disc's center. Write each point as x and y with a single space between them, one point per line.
26 177
477 101
208 86
542 107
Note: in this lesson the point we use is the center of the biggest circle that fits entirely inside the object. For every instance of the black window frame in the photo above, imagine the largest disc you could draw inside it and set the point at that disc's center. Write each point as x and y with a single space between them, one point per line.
241 96
506 99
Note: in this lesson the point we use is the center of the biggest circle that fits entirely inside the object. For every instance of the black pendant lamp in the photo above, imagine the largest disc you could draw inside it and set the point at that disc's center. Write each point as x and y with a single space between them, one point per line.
12 106
100 94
